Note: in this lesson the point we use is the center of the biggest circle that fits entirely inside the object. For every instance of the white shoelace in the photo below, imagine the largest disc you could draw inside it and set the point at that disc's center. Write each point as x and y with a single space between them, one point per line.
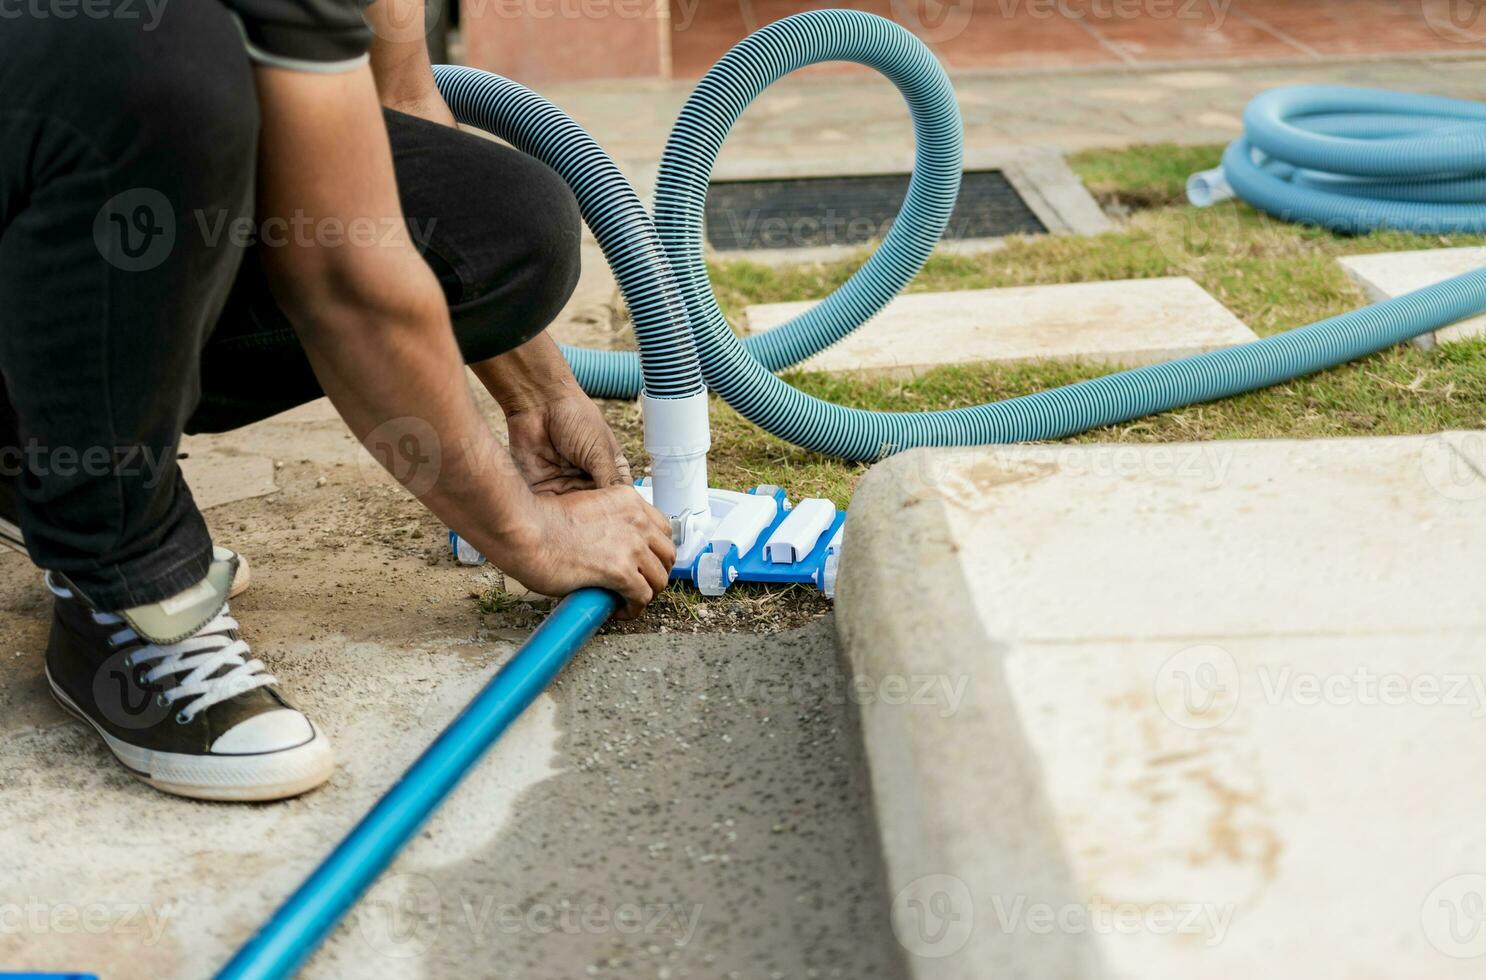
199 657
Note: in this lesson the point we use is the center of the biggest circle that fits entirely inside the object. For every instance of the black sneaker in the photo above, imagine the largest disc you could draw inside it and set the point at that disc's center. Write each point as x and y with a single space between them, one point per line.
176 696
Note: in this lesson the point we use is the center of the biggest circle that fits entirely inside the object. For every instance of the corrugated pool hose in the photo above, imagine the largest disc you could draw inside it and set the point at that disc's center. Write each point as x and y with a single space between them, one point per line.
1345 140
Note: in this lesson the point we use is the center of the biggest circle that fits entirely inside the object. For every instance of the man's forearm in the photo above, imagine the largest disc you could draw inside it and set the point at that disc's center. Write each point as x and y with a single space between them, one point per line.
533 373
371 315
399 59
400 63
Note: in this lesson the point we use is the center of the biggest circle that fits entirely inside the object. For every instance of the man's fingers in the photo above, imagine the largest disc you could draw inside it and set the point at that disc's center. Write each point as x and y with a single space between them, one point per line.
662 547
562 484
622 476
656 528
608 467
636 592
654 572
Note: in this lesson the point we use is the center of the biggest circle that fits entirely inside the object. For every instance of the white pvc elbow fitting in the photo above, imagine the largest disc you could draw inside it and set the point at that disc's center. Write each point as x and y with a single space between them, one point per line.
1208 187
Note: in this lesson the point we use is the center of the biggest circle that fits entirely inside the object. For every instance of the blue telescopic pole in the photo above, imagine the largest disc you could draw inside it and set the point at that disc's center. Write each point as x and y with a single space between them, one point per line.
302 923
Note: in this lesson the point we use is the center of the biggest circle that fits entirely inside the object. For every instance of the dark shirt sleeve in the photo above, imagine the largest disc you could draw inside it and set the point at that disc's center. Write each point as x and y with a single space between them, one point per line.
307 35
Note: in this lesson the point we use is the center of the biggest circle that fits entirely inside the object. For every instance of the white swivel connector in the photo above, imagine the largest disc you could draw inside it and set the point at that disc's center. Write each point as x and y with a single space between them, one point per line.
677 438
1208 187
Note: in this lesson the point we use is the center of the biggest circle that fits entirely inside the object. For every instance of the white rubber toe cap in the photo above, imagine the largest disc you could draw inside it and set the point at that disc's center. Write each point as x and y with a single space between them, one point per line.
272 731
244 576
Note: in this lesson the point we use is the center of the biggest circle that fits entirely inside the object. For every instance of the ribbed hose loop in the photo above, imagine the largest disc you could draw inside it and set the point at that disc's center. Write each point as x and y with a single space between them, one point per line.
740 371
1355 159
667 359
714 107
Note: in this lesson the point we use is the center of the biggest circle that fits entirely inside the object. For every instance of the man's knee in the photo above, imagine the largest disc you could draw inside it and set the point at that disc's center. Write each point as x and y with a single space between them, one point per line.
520 284
544 236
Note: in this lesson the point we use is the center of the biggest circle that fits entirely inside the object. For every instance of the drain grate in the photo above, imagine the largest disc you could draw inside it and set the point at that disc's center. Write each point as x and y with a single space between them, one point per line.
817 211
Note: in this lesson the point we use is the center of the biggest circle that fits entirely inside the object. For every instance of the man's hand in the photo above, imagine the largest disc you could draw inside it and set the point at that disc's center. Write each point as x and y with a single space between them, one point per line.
564 444
608 537
559 438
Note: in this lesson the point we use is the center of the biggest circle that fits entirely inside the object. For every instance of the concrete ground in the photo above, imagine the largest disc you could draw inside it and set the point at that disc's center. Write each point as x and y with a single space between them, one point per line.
678 805
1217 702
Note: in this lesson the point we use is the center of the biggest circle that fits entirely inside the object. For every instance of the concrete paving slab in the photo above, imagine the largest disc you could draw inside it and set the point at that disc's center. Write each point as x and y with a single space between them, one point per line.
1388 274
1128 322
218 473
1218 713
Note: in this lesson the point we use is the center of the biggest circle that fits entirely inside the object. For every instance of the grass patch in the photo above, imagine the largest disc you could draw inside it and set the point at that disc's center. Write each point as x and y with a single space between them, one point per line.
1274 276
1143 176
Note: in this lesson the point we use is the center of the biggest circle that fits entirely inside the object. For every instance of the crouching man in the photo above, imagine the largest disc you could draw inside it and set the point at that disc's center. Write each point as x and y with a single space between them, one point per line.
130 313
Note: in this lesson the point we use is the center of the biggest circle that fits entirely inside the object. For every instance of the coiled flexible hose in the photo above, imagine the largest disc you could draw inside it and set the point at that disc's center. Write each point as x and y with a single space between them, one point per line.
1355 159
655 280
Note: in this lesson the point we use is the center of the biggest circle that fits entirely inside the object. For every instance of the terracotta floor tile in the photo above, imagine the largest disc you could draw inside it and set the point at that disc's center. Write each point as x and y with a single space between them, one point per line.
1013 34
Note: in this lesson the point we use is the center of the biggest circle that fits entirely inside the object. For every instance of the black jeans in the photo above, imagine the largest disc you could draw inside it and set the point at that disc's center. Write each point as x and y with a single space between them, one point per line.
130 312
